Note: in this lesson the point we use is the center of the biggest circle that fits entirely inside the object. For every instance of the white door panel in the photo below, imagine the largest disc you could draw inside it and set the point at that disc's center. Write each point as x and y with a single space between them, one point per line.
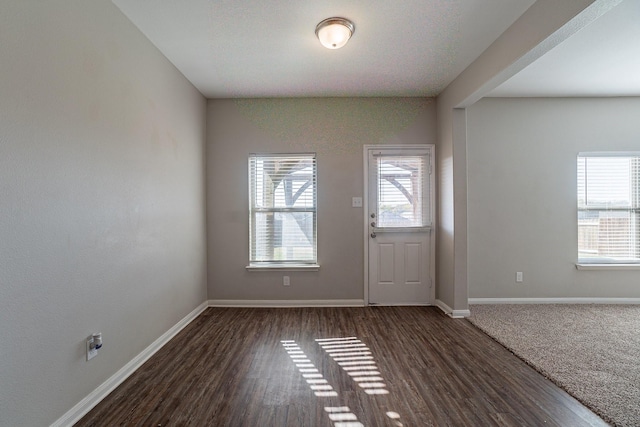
399 268
386 263
413 263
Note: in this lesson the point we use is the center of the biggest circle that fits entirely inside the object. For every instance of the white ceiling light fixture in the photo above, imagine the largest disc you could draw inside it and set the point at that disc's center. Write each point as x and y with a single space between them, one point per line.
334 33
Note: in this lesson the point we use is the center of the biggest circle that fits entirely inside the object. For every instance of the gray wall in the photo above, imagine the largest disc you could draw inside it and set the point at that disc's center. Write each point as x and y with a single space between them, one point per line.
522 203
544 25
336 129
101 200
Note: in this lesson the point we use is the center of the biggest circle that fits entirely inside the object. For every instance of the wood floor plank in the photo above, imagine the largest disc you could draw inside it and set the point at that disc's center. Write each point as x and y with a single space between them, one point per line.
230 367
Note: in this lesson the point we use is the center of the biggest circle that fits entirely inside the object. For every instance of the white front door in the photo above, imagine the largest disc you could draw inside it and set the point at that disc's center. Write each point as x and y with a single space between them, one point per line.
399 221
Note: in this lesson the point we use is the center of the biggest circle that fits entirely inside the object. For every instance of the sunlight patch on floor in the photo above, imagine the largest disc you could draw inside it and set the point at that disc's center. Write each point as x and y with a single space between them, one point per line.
356 359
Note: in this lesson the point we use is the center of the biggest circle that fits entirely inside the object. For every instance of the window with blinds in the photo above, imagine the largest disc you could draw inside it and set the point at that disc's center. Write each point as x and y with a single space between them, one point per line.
282 205
609 208
403 191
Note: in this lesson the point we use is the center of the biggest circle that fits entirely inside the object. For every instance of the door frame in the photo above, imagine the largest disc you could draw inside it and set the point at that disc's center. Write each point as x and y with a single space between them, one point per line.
432 199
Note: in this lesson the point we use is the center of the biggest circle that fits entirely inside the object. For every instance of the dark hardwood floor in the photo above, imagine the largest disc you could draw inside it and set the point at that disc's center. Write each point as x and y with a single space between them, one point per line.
373 366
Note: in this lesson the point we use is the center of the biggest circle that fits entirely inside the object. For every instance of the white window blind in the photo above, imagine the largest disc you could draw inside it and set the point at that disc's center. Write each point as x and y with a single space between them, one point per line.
609 208
403 191
282 193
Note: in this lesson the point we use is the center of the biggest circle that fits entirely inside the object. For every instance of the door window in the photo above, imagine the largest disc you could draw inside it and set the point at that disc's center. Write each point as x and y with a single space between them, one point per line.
402 191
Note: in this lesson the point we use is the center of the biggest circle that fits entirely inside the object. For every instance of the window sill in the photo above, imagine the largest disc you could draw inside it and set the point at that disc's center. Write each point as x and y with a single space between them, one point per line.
284 267
608 266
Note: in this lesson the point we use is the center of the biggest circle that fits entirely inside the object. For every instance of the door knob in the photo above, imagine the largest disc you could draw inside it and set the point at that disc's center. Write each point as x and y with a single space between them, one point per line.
373 223
373 215
373 235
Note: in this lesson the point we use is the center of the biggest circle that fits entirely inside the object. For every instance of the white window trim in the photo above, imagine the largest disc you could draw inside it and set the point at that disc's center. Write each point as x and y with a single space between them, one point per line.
587 266
292 265
284 267
585 263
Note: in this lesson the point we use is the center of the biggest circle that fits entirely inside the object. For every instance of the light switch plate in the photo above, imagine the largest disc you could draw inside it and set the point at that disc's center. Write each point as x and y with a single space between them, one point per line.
91 352
356 202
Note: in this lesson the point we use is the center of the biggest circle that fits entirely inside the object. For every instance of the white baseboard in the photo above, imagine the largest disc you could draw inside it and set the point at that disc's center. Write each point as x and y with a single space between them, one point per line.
286 303
400 304
456 314
74 414
554 300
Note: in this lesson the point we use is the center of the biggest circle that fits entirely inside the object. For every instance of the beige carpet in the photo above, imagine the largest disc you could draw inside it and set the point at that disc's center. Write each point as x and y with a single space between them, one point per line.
592 351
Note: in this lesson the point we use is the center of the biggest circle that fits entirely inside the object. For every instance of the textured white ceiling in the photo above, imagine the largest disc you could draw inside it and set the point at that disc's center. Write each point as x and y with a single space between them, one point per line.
602 59
250 48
